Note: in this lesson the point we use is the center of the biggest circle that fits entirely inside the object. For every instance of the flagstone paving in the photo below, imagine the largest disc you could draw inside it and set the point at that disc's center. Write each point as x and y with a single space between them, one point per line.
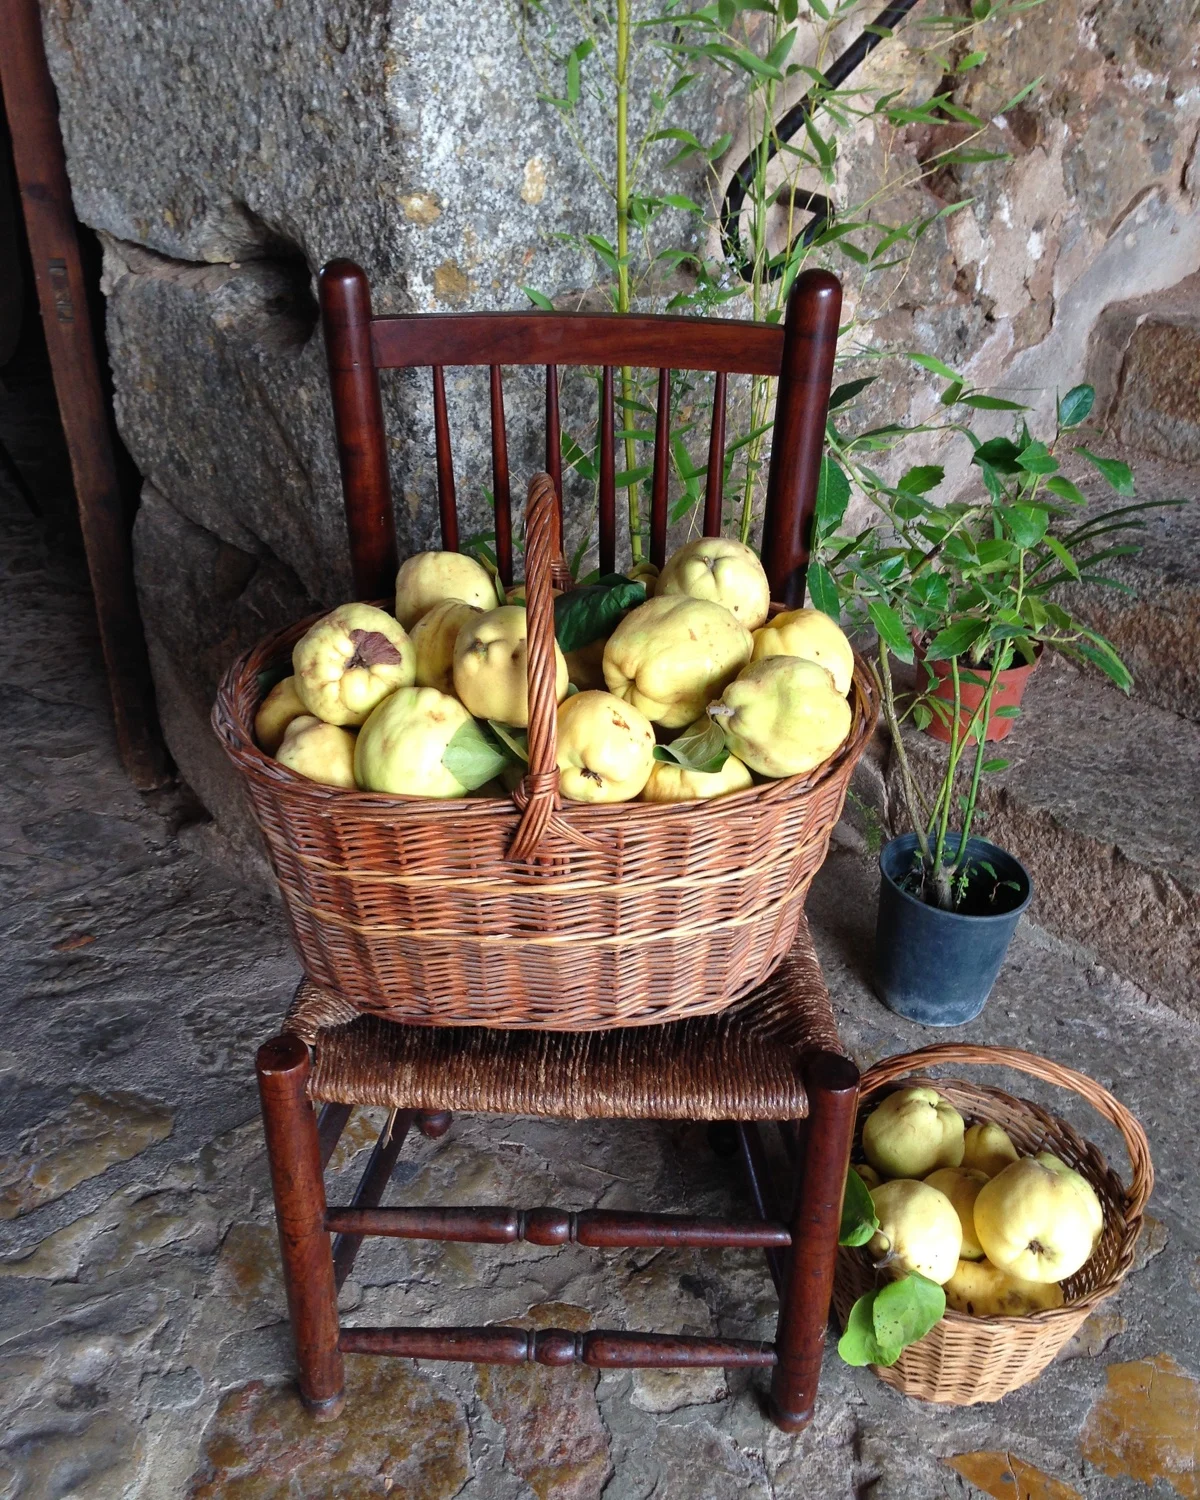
143 1347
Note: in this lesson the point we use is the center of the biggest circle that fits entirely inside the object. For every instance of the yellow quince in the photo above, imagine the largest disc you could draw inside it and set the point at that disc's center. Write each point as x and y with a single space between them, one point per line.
433 638
491 672
812 635
918 1229
673 783
321 752
782 716
428 577
986 1146
985 1291
605 748
277 710
961 1185
673 654
725 571
351 660
912 1132
1033 1222
401 745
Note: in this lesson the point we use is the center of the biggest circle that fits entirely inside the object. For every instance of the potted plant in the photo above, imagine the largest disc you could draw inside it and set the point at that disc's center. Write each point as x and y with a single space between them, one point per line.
962 593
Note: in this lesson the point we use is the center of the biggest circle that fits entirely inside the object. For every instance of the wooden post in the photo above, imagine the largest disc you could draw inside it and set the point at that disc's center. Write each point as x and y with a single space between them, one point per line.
32 110
294 1153
832 1085
801 407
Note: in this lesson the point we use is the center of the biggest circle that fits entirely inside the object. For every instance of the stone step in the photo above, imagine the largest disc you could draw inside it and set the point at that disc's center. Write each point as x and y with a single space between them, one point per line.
1157 631
1099 802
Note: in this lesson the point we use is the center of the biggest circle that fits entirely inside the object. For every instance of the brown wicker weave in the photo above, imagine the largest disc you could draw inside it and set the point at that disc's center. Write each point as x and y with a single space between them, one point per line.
541 914
963 1359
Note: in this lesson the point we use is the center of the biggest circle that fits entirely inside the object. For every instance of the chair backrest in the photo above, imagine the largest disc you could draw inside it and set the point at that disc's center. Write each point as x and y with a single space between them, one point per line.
800 352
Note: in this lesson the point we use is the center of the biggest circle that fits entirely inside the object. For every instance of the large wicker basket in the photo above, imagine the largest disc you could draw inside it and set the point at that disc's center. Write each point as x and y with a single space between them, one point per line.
532 912
964 1360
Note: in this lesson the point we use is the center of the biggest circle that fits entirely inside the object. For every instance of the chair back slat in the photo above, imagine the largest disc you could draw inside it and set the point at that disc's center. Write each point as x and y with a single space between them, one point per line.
800 351
714 484
608 477
662 470
447 508
501 497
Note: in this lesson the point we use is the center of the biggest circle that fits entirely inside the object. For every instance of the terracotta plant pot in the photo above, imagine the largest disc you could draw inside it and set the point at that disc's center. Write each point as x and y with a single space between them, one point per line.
1009 690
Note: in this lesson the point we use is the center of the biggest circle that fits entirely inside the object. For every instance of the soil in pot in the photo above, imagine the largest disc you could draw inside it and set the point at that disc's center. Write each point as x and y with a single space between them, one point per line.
1010 688
938 967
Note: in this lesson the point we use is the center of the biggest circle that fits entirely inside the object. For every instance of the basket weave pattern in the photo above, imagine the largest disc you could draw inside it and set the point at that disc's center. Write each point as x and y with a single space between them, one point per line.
535 912
964 1359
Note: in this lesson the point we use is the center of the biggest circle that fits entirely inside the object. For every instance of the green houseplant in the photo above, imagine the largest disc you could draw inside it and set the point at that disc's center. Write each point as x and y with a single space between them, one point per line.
957 593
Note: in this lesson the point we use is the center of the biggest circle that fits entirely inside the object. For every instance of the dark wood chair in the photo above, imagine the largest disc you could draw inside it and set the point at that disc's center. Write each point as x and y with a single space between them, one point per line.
774 1056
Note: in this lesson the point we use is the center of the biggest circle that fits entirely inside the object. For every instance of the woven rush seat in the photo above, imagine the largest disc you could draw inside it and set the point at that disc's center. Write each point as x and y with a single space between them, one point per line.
742 1063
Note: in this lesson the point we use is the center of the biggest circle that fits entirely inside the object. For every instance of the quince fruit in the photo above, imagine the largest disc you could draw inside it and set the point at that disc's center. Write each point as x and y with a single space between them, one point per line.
433 638
1084 1188
671 655
605 748
985 1291
350 661
961 1185
491 666
868 1174
277 710
783 716
1033 1222
811 634
401 745
428 577
913 1132
987 1148
727 572
643 572
319 751
918 1229
670 783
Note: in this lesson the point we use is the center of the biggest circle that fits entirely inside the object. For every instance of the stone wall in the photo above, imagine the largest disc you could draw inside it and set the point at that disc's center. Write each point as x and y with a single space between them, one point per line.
226 149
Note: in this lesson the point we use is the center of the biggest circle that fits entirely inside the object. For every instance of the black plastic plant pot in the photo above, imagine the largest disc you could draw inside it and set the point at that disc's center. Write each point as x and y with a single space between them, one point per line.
938 967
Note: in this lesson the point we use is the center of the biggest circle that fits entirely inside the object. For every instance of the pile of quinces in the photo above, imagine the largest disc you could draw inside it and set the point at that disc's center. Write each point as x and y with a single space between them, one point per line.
998 1231
686 694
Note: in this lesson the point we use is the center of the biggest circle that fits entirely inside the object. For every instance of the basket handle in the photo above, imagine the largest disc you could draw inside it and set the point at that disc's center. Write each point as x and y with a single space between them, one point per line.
1136 1144
537 796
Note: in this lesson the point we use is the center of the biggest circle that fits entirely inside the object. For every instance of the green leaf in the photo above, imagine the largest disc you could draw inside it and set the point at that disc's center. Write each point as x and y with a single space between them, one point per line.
1062 554
474 755
920 480
994 765
1065 490
846 392
514 740
833 496
934 366
998 453
1119 475
699 748
904 1311
588 614
539 299
858 1345
980 402
955 639
891 629
823 591
1076 405
1036 458
859 1220
1026 522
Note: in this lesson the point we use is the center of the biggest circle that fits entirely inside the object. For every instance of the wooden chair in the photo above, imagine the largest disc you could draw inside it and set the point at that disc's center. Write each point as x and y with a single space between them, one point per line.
774 1056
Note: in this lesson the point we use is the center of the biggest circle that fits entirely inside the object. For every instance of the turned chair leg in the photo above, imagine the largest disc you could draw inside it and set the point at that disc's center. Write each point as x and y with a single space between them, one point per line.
434 1123
294 1153
832 1085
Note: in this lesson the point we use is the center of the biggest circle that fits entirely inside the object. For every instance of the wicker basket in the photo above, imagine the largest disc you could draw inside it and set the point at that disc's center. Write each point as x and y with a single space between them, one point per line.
964 1360
532 912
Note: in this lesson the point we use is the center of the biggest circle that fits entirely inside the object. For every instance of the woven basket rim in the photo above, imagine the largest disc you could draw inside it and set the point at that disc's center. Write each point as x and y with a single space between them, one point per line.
267 654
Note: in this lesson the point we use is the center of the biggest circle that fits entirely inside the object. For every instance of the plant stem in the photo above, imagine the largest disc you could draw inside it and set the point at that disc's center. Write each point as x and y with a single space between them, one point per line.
942 887
912 799
984 714
622 201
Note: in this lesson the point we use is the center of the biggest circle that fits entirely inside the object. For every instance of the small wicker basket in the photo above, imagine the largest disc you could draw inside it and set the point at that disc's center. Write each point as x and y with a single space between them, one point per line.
534 912
963 1359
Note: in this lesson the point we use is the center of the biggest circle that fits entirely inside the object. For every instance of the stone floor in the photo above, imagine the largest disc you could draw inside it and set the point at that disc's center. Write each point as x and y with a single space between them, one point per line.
143 1349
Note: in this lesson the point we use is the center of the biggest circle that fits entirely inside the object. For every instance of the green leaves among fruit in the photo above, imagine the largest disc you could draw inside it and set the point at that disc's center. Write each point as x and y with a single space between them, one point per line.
475 754
701 747
591 613
859 1221
884 1322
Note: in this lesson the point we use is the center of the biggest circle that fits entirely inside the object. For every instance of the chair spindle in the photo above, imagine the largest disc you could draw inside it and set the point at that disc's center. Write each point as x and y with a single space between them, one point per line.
608 488
554 448
501 498
662 460
714 483
445 463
